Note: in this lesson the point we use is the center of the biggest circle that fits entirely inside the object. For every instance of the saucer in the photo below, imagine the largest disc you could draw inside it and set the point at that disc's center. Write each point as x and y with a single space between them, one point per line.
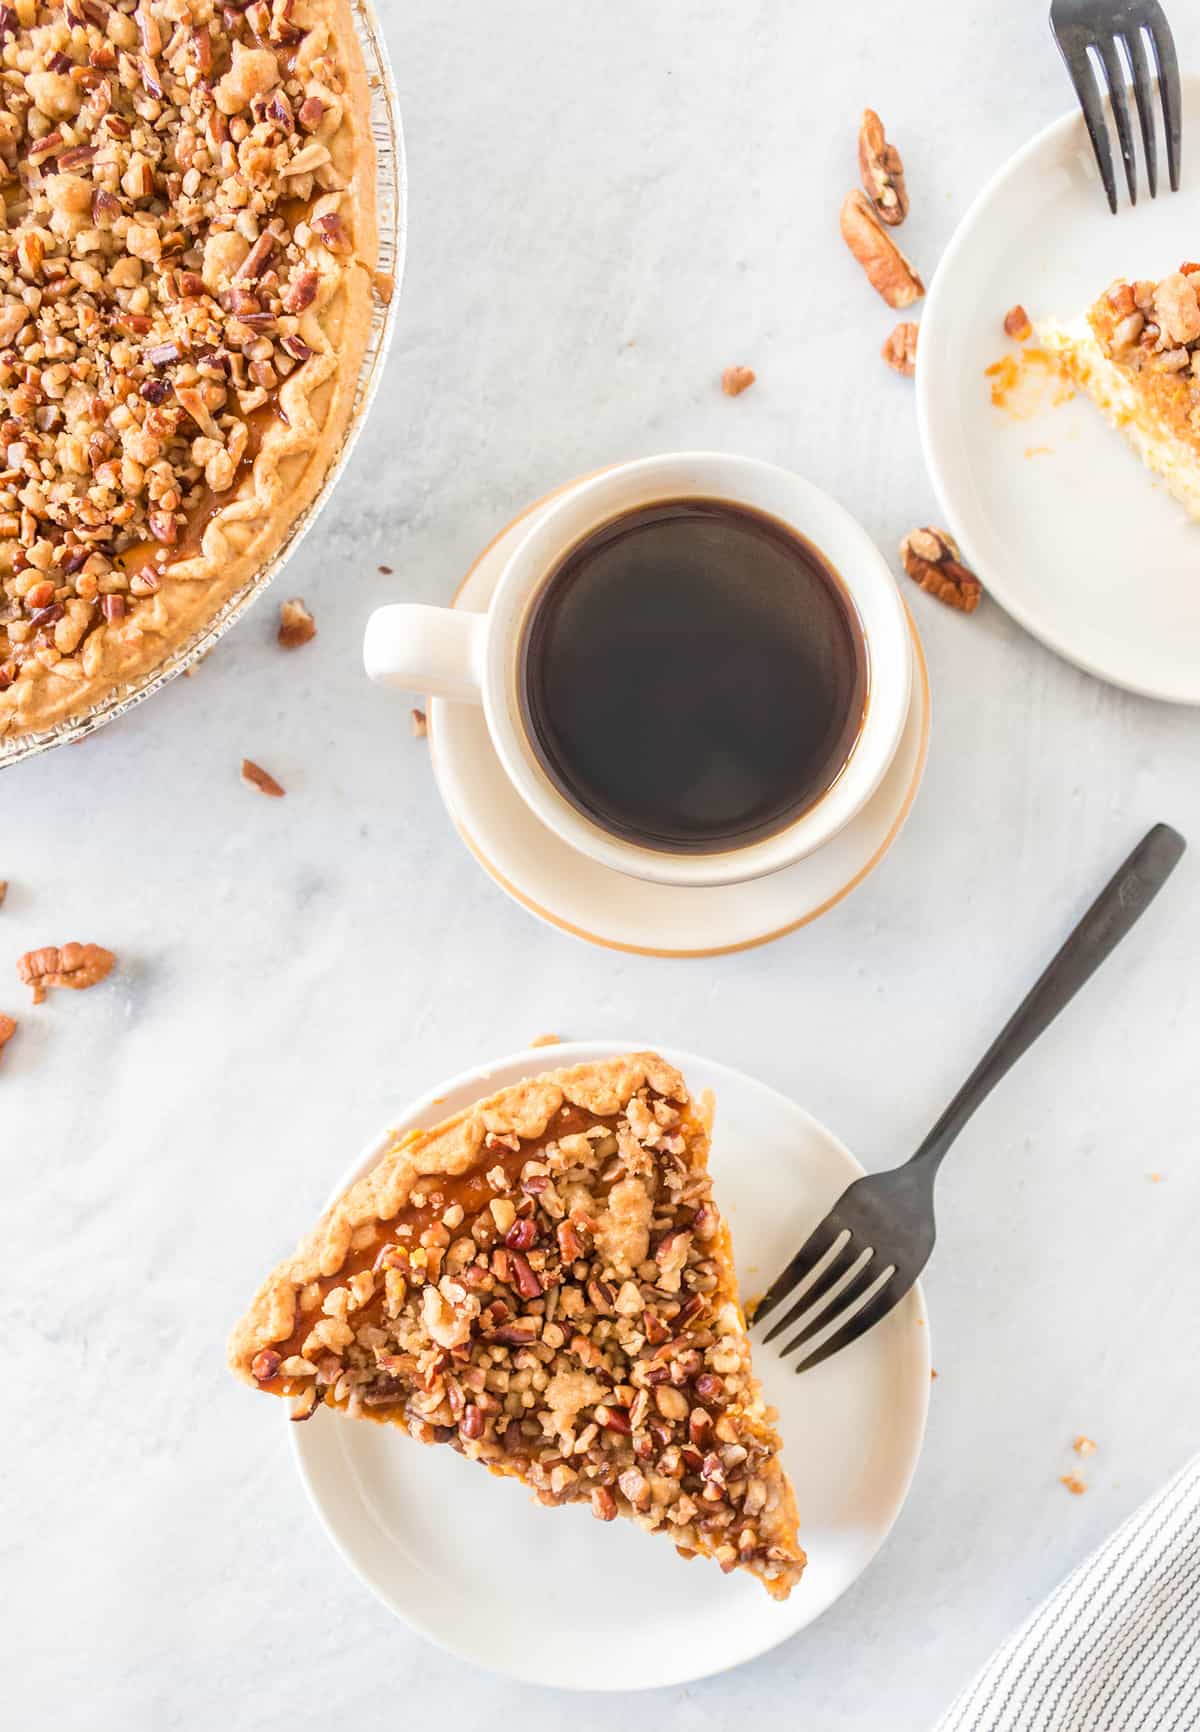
477 1567
605 907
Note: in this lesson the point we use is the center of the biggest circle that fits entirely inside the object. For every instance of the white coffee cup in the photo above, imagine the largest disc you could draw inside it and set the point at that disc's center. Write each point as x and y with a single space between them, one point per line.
471 657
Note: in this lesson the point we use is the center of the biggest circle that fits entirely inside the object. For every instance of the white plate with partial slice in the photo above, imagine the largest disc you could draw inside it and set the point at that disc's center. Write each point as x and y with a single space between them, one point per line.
1068 530
554 1596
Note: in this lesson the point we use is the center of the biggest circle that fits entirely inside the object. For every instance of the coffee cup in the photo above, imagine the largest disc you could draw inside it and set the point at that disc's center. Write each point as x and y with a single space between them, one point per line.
719 547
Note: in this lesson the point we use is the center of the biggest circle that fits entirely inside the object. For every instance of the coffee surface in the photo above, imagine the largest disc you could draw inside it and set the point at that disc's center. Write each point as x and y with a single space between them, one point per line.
693 676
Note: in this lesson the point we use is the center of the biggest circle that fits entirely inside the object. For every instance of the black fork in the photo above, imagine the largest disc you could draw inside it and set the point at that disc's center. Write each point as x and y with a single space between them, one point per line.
1098 39
881 1230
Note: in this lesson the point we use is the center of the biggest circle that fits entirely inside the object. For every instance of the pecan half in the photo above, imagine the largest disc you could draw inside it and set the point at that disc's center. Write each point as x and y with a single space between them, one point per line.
257 777
900 349
735 380
1016 324
882 171
8 1027
932 559
888 271
296 625
77 966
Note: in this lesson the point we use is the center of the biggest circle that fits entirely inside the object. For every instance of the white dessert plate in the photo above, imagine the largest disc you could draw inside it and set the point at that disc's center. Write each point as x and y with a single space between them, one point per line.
1068 531
555 1597
590 901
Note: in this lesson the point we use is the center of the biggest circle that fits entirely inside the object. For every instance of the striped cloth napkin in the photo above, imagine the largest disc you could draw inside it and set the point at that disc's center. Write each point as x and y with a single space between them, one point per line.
1116 1647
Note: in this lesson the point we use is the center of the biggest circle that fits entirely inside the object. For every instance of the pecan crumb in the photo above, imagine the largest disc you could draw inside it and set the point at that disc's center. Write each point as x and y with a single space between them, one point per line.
933 1376
296 624
1084 1446
889 273
882 171
8 1027
386 570
419 724
1016 324
735 380
73 965
547 1040
1074 1484
932 559
258 778
900 350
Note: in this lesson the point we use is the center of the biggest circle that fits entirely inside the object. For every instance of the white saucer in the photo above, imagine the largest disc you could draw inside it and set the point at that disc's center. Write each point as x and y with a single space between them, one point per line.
1079 542
605 907
554 1597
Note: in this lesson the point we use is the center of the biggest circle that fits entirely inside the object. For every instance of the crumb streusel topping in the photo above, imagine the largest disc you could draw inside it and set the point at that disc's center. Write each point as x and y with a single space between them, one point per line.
187 199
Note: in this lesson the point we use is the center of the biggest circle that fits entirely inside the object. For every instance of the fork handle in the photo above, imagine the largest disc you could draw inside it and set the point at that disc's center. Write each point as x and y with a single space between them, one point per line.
1117 909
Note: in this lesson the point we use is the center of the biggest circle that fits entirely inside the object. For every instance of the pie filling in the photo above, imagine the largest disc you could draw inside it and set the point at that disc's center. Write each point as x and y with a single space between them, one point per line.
563 1311
1137 354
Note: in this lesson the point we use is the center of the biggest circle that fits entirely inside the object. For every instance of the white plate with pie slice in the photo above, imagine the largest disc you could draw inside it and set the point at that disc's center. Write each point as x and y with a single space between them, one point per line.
555 1597
1068 531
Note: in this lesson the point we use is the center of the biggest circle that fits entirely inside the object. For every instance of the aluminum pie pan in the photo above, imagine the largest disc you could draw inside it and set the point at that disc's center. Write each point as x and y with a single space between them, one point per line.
392 222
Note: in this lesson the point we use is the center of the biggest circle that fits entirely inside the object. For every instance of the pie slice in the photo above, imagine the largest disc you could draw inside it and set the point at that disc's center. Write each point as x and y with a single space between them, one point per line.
544 1282
1136 352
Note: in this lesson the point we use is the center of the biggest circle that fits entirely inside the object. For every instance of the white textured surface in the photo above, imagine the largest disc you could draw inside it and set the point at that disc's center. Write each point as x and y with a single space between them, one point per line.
584 179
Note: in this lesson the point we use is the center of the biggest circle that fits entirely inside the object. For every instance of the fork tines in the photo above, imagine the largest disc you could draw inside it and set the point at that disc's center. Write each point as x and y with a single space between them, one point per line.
1105 43
844 1288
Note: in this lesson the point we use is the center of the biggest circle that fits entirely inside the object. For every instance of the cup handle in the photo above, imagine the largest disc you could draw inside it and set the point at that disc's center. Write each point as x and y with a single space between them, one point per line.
438 650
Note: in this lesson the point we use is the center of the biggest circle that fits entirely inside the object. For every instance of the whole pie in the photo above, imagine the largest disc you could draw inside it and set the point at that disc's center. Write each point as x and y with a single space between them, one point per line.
545 1283
1136 352
186 279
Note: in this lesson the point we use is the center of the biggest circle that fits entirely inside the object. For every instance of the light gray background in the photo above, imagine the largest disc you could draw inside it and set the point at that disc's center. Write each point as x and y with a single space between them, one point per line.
609 204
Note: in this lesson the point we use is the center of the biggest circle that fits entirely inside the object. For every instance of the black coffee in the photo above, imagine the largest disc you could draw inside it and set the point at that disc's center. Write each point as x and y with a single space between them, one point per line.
693 676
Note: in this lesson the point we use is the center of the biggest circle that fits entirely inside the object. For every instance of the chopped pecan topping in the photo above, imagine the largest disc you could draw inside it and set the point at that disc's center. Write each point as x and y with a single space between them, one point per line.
882 171
572 1321
900 349
74 965
256 777
735 380
296 625
932 559
162 162
888 271
1017 325
8 1027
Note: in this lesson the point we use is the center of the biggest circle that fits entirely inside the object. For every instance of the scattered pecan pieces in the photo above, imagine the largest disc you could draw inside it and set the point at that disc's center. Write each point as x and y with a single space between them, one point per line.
257 777
74 965
1074 1484
735 380
1084 1446
296 625
8 1027
888 271
900 349
419 724
1017 325
932 559
882 171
